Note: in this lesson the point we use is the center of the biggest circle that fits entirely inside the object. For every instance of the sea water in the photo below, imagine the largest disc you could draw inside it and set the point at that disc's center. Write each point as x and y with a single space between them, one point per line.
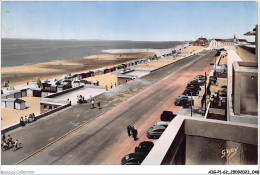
16 52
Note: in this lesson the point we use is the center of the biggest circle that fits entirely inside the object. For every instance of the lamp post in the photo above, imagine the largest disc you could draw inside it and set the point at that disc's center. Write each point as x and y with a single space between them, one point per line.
191 105
205 93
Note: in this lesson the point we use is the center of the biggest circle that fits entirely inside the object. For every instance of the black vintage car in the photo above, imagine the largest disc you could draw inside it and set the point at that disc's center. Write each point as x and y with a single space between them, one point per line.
190 92
188 103
167 116
133 159
144 147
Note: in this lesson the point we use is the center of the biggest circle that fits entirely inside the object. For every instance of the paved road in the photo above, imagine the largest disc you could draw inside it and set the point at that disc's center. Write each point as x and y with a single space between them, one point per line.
105 140
46 130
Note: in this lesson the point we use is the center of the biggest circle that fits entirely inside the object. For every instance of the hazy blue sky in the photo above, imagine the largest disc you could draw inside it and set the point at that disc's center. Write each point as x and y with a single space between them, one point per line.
154 21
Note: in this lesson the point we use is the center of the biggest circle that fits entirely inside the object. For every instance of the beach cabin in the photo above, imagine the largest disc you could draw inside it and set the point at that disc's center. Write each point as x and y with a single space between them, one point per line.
78 77
92 73
13 94
88 74
60 88
98 72
107 71
13 103
53 88
68 83
124 65
24 92
76 83
34 92
111 69
46 86
19 104
8 103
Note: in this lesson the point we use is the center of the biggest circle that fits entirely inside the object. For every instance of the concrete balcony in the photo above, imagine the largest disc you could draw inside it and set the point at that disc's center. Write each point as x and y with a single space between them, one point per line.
194 141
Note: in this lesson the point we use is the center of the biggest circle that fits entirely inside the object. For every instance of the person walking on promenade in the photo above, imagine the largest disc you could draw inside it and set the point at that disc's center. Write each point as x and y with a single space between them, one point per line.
111 85
3 137
99 105
25 120
22 121
134 131
92 103
106 88
129 130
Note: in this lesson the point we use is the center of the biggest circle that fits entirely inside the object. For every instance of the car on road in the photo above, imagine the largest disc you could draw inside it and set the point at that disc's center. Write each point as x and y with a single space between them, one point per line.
167 116
155 132
133 159
165 124
144 147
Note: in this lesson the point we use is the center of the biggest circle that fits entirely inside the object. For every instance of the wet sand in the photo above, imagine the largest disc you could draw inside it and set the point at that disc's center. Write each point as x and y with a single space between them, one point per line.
28 73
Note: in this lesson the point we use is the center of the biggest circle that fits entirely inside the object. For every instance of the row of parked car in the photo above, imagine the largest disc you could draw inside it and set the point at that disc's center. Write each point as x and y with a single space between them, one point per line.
143 149
193 89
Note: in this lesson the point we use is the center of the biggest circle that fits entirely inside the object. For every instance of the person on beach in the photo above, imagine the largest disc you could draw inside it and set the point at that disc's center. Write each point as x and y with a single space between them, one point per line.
129 130
99 105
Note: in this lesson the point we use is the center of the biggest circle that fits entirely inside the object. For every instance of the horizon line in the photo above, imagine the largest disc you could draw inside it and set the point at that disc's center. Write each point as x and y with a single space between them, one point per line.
97 39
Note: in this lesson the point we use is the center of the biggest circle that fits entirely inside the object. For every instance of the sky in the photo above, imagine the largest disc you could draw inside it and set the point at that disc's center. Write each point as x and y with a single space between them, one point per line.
139 21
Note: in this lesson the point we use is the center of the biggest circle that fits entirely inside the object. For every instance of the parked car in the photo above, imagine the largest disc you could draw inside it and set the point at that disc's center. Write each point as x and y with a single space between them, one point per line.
133 159
188 103
196 82
190 91
180 100
192 87
167 116
155 132
161 124
144 147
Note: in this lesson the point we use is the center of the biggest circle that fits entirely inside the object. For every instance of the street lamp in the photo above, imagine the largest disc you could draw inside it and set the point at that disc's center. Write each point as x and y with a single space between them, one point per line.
191 105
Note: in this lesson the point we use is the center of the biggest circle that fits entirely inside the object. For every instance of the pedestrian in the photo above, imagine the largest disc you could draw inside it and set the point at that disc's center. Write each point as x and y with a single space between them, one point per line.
30 118
92 104
3 137
97 83
21 121
129 130
98 103
134 133
115 84
33 117
106 88
25 120
111 85
27 83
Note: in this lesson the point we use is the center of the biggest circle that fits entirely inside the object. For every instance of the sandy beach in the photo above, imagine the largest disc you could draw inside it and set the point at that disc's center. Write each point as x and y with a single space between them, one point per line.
22 74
